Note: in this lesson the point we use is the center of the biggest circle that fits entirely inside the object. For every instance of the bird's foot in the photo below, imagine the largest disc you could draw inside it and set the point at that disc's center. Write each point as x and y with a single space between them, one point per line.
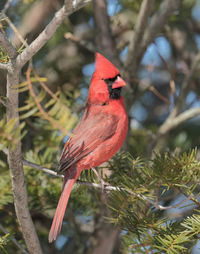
103 183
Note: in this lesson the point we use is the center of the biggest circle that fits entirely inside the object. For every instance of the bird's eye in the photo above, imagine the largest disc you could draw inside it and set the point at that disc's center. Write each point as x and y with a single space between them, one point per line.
112 79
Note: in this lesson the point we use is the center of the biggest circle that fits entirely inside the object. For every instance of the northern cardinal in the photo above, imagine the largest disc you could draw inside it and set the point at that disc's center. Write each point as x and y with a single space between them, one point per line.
97 137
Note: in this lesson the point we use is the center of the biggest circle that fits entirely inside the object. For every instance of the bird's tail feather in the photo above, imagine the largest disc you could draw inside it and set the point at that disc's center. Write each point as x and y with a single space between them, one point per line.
62 204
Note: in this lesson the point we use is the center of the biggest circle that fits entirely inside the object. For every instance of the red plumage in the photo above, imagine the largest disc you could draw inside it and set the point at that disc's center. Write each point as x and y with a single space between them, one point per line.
97 137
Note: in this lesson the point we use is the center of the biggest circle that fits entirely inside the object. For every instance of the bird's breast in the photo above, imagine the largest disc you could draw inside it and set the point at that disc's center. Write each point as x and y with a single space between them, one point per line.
110 146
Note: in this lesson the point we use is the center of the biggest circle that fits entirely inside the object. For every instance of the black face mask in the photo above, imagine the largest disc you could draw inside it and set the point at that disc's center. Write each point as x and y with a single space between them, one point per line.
116 92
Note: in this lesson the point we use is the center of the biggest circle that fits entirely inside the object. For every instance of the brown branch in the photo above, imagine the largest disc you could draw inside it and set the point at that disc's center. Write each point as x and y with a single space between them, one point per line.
158 21
104 41
49 30
21 248
158 94
156 25
47 89
103 35
137 34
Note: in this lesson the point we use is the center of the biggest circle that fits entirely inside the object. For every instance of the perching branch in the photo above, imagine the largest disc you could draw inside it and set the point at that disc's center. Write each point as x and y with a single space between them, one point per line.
46 170
105 187
49 30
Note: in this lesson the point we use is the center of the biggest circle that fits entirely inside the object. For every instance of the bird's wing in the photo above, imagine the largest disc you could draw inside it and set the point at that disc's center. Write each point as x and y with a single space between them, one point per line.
88 135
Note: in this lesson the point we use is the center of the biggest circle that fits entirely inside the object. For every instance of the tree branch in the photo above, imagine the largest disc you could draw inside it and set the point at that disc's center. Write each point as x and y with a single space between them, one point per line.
68 8
137 34
83 43
15 30
174 119
183 117
103 36
157 22
15 156
106 187
184 88
6 7
16 166
160 18
38 167
11 51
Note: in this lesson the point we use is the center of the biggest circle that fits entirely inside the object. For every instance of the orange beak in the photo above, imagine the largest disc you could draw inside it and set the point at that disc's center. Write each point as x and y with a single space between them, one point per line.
119 82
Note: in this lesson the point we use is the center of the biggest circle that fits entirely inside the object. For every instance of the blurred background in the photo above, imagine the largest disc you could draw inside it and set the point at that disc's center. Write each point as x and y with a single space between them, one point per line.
162 73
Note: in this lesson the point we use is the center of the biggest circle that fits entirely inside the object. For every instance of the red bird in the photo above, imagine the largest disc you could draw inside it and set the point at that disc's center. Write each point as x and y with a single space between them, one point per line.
97 137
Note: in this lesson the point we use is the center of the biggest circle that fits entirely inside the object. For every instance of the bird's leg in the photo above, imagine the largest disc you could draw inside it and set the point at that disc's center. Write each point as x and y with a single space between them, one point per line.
103 183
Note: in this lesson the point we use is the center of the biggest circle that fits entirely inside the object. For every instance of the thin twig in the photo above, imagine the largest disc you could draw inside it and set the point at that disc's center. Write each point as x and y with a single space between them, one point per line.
15 30
175 119
6 7
53 95
158 94
192 198
184 88
41 109
49 30
46 170
106 187
13 240
83 43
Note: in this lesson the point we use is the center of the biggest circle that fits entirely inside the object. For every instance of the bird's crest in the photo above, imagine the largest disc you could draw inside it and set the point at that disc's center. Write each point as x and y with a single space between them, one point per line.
104 67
